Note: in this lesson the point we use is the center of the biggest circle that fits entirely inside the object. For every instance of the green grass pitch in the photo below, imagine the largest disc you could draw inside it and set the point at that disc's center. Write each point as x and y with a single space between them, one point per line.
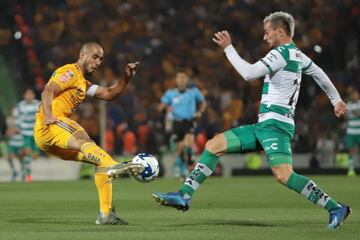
223 208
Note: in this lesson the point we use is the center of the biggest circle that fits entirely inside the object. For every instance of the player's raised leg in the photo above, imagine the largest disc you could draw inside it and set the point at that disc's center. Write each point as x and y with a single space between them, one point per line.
234 140
203 169
80 141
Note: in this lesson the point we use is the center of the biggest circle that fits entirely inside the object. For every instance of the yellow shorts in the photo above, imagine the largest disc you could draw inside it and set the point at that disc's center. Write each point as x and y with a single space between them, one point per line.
53 139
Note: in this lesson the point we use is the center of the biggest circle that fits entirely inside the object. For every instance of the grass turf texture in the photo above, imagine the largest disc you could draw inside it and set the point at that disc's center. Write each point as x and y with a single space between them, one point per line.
223 208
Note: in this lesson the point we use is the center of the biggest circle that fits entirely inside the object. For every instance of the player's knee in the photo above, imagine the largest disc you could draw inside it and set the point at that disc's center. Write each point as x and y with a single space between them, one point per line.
216 145
188 139
282 174
281 178
78 142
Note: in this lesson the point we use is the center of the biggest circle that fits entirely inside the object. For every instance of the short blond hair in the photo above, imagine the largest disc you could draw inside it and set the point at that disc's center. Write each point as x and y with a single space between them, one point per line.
282 19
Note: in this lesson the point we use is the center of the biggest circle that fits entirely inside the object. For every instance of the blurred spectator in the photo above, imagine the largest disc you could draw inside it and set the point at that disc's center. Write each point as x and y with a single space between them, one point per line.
165 34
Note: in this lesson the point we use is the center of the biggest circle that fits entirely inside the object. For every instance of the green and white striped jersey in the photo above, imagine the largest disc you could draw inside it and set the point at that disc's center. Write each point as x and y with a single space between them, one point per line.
27 112
353 125
16 140
282 67
282 85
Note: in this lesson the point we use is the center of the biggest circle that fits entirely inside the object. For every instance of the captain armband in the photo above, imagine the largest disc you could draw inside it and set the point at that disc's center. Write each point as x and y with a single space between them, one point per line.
92 90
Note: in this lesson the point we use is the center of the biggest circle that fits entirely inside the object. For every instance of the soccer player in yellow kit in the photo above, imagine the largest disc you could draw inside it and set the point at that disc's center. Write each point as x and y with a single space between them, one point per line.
58 135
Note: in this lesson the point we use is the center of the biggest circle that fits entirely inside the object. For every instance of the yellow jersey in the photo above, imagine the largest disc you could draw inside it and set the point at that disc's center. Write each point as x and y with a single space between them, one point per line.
73 90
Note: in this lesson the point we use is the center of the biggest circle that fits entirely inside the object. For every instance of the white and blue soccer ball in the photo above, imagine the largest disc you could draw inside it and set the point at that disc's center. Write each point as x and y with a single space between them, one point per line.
151 165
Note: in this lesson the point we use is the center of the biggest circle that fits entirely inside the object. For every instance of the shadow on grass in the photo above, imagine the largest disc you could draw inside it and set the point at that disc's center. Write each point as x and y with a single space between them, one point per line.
253 223
207 222
245 223
44 220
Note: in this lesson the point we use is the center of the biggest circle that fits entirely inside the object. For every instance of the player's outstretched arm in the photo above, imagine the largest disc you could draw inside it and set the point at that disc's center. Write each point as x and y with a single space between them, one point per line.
47 96
327 86
247 71
109 93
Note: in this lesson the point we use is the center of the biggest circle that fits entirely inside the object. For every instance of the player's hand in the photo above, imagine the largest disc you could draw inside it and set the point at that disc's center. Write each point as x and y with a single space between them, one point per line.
340 109
50 119
222 39
130 69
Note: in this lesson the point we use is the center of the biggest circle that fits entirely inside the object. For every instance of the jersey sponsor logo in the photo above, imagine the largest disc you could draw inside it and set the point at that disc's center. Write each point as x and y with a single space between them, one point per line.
66 76
273 146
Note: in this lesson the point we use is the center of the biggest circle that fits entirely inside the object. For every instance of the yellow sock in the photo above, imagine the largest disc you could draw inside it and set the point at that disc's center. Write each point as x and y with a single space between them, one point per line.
104 186
80 157
94 154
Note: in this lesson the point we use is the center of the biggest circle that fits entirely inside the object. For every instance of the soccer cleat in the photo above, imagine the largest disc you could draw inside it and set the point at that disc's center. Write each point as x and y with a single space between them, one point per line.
172 199
338 216
110 219
125 167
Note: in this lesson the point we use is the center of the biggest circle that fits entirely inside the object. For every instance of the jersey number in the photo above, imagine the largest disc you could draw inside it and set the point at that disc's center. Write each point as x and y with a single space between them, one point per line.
295 94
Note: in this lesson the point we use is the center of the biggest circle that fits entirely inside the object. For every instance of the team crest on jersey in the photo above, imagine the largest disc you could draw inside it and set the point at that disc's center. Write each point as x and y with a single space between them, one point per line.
66 76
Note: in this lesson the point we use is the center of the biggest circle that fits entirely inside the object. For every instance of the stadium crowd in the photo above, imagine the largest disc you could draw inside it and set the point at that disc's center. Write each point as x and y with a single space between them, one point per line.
164 35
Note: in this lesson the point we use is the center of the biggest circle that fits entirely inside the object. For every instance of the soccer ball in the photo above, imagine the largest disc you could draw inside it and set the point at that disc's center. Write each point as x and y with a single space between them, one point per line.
151 167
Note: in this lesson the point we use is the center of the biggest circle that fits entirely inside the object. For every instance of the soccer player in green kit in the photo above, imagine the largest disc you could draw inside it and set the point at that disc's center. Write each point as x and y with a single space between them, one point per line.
27 111
282 68
15 143
353 129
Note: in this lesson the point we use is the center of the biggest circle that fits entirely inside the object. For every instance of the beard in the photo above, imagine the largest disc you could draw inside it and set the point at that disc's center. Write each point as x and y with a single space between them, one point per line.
87 72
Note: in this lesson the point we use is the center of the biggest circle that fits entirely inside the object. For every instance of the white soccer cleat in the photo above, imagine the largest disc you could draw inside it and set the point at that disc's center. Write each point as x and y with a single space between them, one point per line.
125 167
